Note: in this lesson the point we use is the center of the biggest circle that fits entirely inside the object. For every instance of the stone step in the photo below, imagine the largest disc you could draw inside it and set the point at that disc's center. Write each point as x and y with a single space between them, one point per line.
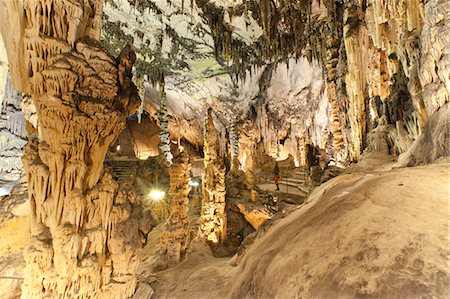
124 170
286 186
293 180
284 182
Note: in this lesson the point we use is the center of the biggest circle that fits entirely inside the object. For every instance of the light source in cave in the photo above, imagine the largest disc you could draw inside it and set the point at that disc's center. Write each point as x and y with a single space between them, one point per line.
194 183
157 195
380 77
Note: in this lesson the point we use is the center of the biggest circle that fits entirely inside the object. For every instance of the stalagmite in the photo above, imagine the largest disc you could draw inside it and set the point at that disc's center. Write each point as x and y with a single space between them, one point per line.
84 243
175 237
213 215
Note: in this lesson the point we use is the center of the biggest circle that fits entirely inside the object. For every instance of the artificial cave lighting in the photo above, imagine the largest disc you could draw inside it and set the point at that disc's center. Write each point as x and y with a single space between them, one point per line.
194 183
157 195
224 149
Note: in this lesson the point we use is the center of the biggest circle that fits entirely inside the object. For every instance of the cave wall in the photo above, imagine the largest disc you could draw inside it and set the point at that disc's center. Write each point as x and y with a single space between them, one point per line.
13 133
275 67
396 57
12 127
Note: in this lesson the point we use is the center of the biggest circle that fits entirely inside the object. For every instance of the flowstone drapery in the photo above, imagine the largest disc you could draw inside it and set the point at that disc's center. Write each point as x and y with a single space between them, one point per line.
84 242
213 222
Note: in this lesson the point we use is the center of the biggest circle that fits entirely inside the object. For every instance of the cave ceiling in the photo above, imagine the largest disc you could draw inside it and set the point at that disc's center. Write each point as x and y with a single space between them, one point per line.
233 56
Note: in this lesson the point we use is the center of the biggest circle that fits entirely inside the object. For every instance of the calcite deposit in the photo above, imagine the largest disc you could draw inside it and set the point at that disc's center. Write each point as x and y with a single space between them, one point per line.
175 238
84 241
13 133
225 91
213 215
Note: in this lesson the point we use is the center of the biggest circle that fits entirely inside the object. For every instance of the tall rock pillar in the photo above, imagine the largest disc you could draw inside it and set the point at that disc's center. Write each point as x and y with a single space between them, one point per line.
84 243
175 238
213 215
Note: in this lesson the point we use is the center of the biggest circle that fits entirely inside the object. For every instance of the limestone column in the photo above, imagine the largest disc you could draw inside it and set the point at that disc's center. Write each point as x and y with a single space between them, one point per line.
175 238
84 243
355 38
213 214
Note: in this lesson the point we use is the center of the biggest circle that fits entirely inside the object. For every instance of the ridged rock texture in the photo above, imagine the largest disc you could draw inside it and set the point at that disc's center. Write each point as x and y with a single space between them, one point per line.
13 133
175 237
163 117
213 215
84 240
311 73
397 65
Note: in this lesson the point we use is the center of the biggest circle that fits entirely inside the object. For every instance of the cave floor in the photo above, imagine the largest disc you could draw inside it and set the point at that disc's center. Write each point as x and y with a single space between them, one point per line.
373 231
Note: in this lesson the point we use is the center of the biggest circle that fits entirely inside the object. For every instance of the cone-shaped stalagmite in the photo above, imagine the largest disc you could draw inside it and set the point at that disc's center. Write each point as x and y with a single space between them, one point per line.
213 223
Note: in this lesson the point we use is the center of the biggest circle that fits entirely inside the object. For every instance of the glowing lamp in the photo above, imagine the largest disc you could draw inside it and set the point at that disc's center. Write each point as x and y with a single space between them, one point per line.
118 148
157 195
193 183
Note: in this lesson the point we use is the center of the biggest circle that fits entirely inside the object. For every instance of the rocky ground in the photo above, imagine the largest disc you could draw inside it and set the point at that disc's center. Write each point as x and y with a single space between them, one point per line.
375 231
14 237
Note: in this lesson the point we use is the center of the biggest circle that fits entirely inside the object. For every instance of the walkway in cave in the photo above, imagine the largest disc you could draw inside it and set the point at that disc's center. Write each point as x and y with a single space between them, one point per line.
294 186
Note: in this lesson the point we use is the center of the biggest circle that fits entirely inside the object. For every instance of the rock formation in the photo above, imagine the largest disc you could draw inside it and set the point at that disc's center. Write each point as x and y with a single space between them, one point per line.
213 215
84 240
163 116
315 83
175 237
12 134
234 143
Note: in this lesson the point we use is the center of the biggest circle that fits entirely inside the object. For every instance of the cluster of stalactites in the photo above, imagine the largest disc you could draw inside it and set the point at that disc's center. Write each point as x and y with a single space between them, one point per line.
213 214
386 47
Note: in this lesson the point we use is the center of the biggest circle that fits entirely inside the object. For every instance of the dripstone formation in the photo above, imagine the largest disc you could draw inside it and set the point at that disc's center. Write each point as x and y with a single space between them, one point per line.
13 134
213 215
175 237
84 241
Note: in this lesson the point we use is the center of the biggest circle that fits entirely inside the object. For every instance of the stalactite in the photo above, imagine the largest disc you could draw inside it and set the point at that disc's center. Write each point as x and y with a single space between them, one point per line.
234 140
213 215
141 89
12 132
163 116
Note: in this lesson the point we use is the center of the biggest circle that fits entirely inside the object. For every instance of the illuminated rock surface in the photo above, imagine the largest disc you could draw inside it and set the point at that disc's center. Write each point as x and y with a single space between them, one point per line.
349 98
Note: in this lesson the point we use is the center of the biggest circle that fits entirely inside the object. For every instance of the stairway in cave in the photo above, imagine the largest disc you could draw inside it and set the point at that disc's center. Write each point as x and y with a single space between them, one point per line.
123 170
295 182
294 186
